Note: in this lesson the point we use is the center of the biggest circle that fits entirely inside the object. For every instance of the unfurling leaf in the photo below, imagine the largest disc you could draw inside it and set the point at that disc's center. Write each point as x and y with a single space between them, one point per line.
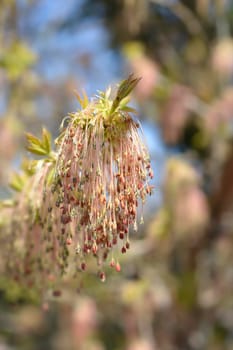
83 100
46 138
125 88
17 182
40 147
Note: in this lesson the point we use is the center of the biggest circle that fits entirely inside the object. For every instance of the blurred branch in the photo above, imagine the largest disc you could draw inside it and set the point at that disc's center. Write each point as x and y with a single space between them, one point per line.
222 197
184 14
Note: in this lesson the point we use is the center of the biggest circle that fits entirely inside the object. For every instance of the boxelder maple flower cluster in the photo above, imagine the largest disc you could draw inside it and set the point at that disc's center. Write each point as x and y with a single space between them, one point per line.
82 199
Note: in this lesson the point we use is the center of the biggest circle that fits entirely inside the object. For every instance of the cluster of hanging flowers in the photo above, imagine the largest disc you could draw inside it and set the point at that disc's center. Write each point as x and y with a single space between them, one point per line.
83 199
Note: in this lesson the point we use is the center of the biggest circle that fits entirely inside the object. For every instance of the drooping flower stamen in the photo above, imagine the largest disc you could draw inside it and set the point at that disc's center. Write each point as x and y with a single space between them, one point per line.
83 199
103 169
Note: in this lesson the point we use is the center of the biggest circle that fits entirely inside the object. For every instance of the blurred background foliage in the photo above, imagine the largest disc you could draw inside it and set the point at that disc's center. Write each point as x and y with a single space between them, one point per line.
175 290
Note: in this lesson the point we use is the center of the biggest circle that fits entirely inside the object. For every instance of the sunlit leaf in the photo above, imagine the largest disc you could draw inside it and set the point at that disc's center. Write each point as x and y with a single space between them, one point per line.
32 140
17 182
124 90
28 166
83 100
129 109
46 138
37 150
40 147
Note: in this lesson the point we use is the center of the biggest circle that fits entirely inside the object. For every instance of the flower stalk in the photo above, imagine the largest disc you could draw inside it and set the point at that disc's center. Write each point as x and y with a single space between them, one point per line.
102 171
82 199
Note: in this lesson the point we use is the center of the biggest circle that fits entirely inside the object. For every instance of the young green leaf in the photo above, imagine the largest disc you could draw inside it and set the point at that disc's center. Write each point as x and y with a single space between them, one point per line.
83 100
124 90
46 138
40 151
28 166
40 147
129 109
32 140
17 182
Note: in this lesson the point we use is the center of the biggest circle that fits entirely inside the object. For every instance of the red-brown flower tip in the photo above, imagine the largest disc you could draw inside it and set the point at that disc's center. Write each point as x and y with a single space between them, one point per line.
83 266
57 293
118 267
45 306
69 241
112 263
123 250
102 276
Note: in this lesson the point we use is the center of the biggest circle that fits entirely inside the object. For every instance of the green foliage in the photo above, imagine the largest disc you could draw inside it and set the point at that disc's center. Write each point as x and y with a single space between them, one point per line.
17 182
38 146
16 59
14 293
83 100
124 89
